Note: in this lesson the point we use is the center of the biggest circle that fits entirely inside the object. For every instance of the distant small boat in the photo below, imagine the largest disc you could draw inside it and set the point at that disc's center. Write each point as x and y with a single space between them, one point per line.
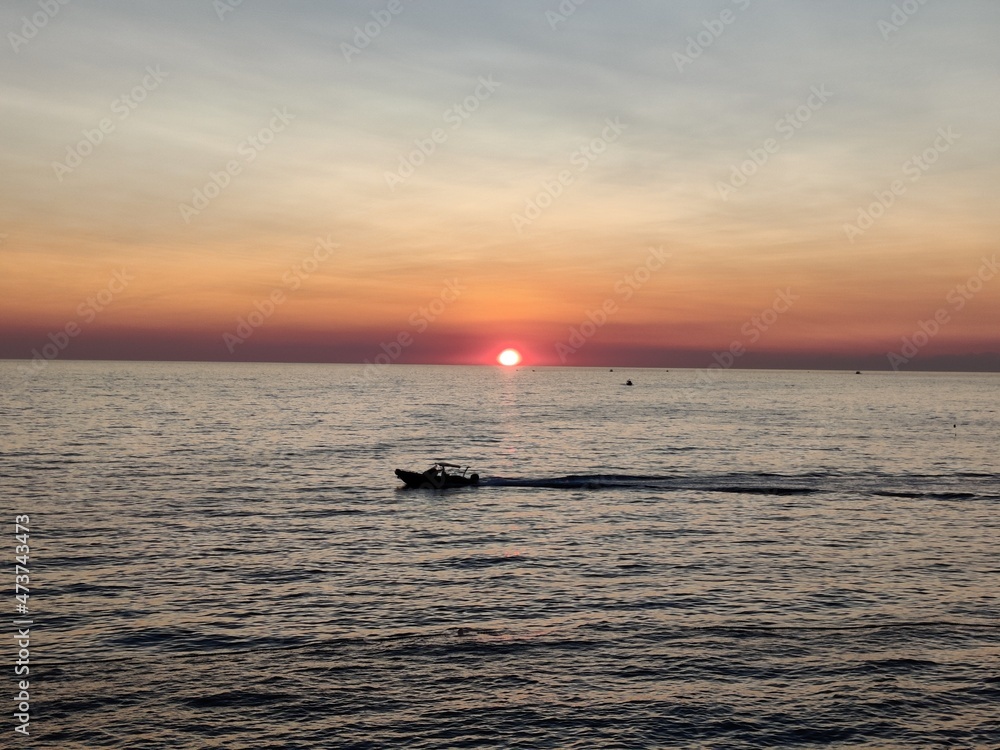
438 477
628 382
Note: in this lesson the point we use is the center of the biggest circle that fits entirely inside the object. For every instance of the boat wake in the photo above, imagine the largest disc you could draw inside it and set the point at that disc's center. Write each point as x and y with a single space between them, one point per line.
941 488
746 484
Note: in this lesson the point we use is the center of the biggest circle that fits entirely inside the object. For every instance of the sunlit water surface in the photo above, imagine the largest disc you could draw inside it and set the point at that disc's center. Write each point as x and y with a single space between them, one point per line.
222 557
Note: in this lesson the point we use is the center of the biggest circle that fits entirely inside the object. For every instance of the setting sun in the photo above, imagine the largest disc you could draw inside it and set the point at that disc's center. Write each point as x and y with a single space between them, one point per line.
509 357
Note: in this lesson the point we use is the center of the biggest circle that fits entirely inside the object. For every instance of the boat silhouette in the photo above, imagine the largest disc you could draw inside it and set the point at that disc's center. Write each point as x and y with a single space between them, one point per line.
438 478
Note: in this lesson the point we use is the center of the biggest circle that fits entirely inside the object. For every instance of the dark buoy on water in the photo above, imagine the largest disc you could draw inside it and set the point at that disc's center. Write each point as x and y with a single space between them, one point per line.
858 372
628 382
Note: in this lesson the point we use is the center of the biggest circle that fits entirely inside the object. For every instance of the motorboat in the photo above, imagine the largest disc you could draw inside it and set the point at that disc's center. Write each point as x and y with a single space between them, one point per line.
438 477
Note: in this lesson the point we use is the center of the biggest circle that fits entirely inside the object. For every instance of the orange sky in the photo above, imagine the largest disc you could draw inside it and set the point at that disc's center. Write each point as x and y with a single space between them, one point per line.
501 191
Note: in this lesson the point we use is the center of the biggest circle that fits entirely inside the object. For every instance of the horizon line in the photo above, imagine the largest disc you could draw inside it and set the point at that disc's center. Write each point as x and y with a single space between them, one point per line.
611 366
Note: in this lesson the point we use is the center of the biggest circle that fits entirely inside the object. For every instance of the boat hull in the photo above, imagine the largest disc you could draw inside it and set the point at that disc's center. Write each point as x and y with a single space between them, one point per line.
418 480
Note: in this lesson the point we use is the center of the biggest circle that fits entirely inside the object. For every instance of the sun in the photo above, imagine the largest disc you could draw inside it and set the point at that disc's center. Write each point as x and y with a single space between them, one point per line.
509 357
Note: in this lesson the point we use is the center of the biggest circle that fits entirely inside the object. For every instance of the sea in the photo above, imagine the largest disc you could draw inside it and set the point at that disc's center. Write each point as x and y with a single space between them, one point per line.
222 557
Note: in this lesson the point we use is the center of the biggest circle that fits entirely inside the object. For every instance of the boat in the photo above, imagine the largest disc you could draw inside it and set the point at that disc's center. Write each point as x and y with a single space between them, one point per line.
438 477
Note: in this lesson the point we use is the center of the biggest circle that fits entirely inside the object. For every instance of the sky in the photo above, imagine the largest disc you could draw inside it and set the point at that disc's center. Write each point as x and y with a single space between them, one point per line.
723 183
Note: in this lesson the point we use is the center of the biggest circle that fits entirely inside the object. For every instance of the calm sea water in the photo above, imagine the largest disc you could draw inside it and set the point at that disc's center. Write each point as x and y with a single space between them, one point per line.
222 557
